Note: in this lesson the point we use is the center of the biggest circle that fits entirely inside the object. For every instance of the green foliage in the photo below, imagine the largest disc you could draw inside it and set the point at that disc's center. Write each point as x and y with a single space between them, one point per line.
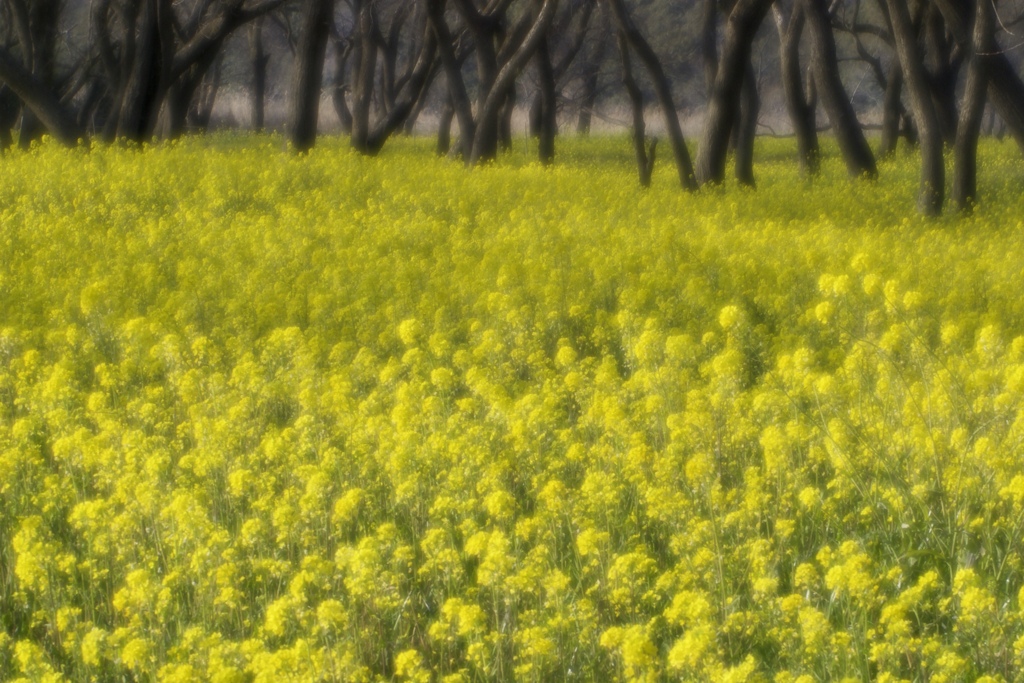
337 418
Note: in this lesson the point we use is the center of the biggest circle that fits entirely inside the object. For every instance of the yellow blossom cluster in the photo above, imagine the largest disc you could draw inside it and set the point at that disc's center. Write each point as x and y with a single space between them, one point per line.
331 418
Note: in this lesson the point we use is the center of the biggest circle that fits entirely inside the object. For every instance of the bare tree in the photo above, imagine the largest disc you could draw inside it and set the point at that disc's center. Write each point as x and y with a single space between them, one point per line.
500 53
590 78
741 26
801 111
932 189
1005 86
39 99
305 98
662 88
31 78
982 49
849 134
644 155
400 91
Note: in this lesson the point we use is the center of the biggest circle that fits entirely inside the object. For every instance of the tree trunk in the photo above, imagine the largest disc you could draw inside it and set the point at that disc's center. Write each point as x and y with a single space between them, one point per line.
965 167
309 68
800 112
662 89
411 92
534 116
746 129
9 110
849 134
458 97
742 25
548 124
892 111
389 59
175 113
1006 89
942 68
180 105
644 161
39 99
362 94
39 33
485 138
932 190
483 146
1006 92
140 100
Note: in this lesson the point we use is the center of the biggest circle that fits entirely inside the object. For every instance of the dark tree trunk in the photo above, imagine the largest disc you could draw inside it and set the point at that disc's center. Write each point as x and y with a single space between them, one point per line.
9 110
662 89
801 114
176 107
930 195
942 67
37 97
483 146
362 94
309 70
644 160
114 63
485 138
415 84
389 45
849 134
548 128
458 97
260 61
534 116
180 101
743 22
39 33
892 111
1006 92
1006 89
965 167
746 128
137 117
908 130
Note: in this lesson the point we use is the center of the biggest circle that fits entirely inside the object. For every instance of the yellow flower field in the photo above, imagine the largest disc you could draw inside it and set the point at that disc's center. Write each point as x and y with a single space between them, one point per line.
330 418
